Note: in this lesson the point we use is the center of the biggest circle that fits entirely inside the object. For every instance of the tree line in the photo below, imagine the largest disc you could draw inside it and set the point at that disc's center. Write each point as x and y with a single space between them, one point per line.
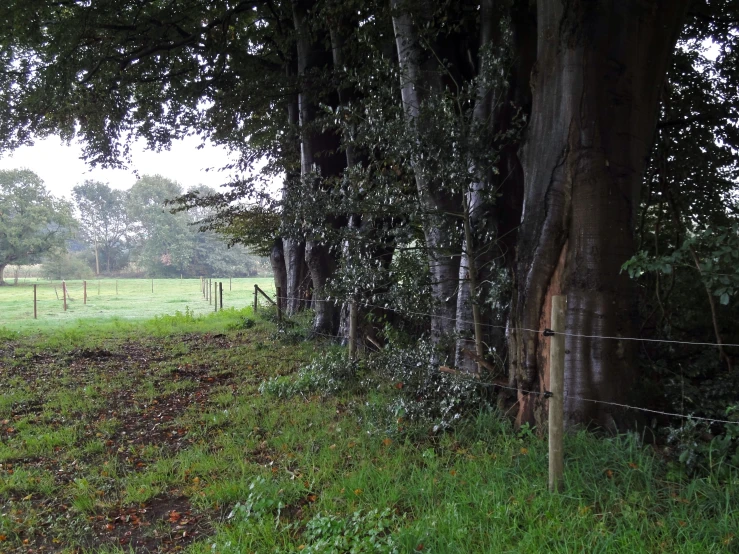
105 231
463 160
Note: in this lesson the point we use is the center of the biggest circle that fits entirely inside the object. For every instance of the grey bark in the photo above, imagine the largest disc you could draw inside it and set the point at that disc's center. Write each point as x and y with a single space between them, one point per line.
419 80
600 66
294 255
279 270
468 314
318 158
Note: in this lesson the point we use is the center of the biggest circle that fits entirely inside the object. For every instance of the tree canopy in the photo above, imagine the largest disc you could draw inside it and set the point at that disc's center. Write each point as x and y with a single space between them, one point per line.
32 222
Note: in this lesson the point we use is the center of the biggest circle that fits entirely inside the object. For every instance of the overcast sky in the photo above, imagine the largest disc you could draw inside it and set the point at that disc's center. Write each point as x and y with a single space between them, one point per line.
61 168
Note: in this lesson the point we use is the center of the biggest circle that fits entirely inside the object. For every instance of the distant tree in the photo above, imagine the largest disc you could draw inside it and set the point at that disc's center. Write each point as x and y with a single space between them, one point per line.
165 240
103 218
32 222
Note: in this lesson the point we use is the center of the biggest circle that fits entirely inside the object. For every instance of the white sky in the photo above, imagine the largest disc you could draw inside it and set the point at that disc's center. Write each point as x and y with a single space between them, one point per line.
61 168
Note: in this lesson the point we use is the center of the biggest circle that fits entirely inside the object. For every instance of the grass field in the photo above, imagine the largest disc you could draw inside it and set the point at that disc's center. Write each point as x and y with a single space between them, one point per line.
214 434
123 299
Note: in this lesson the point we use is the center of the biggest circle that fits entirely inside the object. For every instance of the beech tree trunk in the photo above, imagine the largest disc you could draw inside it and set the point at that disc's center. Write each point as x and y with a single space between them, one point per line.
319 158
294 256
279 270
420 78
599 70
2 271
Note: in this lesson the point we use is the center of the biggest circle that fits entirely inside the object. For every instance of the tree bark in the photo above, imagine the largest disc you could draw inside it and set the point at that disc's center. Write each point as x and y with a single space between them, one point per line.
279 270
419 80
600 66
321 267
319 158
294 255
2 271
469 313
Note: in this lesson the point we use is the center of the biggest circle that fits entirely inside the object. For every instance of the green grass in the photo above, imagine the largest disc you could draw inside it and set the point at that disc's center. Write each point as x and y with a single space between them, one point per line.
119 300
155 435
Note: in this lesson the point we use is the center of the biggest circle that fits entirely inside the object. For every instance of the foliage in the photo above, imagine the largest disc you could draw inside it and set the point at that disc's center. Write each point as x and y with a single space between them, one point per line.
698 452
362 532
165 243
327 374
32 222
63 265
420 393
103 219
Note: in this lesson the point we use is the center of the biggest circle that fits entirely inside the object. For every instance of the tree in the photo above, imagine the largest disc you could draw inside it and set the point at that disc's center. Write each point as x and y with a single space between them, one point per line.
103 218
32 222
165 241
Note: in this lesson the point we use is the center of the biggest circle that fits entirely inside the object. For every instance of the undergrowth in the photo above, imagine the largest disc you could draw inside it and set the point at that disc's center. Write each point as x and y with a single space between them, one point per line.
226 434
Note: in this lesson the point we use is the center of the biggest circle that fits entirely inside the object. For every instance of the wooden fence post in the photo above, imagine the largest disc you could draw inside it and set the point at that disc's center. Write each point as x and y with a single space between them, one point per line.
556 400
35 313
84 292
64 294
152 286
220 294
256 301
215 296
229 283
353 330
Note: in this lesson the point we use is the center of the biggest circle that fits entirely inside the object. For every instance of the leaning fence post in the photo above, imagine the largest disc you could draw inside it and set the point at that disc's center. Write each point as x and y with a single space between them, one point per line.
64 294
556 387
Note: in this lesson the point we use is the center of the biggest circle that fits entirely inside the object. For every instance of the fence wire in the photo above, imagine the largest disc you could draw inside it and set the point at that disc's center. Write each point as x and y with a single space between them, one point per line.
546 394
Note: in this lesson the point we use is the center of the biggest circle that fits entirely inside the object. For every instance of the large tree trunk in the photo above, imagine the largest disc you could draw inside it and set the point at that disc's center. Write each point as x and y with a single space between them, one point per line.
321 267
294 255
600 66
279 271
420 79
319 158
2 271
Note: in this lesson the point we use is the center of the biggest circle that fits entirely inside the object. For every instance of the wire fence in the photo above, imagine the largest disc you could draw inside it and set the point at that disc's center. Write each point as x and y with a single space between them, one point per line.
545 332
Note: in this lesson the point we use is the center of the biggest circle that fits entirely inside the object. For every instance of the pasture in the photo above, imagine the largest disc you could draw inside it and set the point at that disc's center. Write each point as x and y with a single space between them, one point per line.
116 299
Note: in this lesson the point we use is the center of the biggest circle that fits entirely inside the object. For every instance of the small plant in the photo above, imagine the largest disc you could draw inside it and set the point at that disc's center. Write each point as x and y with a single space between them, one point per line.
262 501
242 323
420 392
698 450
328 375
362 532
